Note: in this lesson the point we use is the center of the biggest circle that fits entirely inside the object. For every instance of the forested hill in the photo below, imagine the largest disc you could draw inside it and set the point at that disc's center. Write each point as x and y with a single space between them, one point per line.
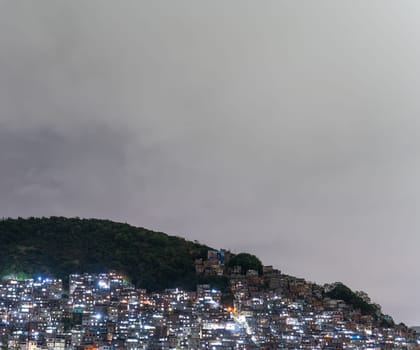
59 246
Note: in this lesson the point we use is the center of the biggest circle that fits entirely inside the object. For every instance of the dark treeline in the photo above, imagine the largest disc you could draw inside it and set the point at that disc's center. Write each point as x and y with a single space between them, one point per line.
59 246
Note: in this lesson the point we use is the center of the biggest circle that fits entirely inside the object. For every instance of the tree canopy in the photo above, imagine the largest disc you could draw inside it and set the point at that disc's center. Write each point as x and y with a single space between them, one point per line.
342 292
59 246
246 262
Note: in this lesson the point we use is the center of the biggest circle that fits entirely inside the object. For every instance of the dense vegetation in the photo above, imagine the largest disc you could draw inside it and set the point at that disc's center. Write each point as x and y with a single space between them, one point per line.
59 246
246 262
342 292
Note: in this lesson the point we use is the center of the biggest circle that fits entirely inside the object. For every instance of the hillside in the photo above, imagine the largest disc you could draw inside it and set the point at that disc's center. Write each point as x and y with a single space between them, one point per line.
59 246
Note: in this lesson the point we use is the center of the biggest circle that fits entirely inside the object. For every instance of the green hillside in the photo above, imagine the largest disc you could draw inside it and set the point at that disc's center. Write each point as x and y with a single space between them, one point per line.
59 246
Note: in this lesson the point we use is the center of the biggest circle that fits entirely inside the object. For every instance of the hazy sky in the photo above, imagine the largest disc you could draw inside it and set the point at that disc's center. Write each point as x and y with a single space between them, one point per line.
288 129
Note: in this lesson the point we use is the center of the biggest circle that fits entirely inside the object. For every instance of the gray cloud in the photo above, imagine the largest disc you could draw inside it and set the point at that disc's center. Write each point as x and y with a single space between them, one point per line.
284 129
46 172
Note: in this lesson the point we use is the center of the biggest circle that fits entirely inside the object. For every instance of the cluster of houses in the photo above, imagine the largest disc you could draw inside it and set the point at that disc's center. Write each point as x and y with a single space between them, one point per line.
265 310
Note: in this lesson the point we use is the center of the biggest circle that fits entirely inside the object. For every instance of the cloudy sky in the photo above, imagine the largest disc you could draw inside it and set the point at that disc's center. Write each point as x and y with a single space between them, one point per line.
288 129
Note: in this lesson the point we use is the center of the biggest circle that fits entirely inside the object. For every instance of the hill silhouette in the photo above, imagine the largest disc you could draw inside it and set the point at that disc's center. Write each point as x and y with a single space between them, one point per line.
59 246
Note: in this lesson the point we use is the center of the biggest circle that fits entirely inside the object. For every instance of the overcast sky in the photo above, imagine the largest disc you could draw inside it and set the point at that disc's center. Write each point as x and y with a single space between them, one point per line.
288 129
